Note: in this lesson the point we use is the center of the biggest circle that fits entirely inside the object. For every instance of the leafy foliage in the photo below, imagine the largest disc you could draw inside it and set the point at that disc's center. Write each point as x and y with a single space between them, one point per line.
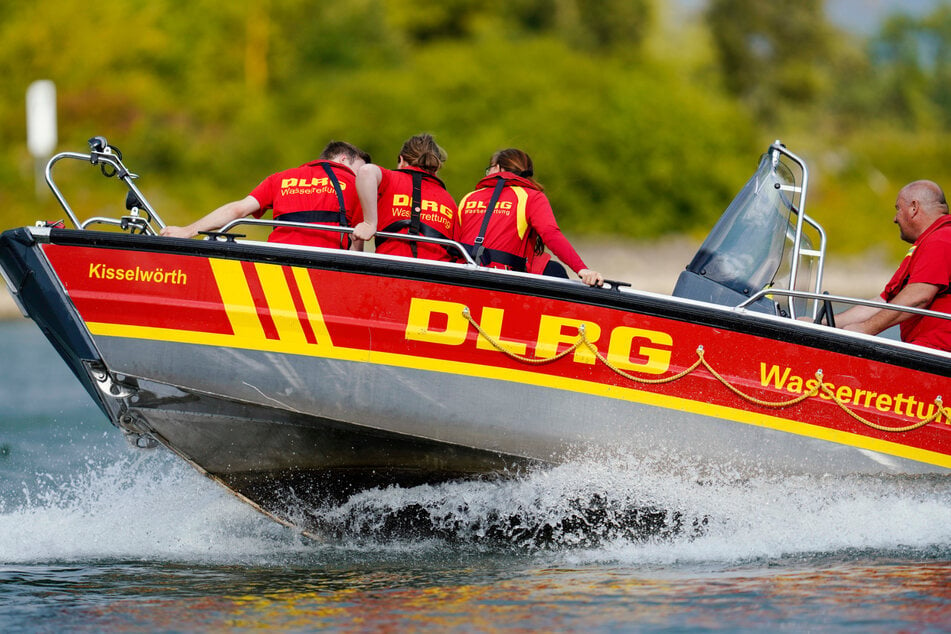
207 98
770 52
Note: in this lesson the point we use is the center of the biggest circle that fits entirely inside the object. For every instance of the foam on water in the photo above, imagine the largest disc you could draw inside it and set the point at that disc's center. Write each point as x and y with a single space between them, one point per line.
151 506
148 506
589 512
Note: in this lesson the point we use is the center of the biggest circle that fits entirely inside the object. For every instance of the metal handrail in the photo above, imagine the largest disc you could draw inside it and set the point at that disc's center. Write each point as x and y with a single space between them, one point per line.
125 222
801 219
841 299
102 153
98 157
349 230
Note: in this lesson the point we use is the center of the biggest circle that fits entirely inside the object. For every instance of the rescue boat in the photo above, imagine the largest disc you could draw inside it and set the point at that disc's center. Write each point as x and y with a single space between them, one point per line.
294 374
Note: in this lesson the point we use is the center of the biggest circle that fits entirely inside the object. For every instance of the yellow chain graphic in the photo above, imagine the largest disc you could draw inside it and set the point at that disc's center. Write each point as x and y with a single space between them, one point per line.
939 410
820 386
517 357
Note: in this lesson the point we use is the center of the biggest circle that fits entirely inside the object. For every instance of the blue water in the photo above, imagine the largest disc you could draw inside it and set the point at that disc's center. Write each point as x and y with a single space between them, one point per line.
98 536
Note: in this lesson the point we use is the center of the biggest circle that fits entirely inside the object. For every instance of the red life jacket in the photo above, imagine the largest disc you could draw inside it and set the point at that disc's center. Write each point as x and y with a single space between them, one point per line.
416 223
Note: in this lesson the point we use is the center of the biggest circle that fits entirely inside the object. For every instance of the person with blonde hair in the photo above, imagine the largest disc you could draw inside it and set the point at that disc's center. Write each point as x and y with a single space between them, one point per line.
410 200
507 222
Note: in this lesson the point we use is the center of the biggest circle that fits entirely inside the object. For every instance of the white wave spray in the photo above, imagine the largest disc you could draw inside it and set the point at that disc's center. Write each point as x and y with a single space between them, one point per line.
635 511
149 506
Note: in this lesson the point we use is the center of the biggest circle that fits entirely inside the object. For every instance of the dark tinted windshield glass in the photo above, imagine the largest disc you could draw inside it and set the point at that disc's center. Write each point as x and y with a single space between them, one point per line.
745 248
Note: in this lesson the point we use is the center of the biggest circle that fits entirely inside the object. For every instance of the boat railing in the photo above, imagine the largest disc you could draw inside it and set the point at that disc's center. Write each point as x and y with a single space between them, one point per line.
829 299
142 215
109 160
799 252
225 234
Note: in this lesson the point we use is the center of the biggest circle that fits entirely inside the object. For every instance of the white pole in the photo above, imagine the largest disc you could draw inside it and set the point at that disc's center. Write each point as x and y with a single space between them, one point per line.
41 126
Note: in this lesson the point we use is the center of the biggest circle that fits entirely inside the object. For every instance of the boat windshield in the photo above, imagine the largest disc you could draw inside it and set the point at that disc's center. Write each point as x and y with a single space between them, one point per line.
745 248
759 242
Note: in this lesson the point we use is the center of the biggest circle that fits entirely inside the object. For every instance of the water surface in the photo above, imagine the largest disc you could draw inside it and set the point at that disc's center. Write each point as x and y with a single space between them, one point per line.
98 536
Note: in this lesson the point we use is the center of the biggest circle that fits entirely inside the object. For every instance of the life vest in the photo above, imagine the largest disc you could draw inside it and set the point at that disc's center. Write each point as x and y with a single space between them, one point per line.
903 274
324 216
484 256
414 224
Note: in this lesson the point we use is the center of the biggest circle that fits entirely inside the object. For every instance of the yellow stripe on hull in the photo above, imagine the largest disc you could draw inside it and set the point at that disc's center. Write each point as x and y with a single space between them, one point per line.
527 378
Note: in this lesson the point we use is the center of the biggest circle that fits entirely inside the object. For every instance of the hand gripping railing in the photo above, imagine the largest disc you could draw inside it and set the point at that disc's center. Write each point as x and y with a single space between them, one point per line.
110 163
224 233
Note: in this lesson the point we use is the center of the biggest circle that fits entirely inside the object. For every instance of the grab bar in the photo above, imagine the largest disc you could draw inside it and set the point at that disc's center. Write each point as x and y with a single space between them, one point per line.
101 153
349 230
841 299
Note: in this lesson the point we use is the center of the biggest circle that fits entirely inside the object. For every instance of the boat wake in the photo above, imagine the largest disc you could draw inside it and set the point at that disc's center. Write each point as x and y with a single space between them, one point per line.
151 507
579 504
660 509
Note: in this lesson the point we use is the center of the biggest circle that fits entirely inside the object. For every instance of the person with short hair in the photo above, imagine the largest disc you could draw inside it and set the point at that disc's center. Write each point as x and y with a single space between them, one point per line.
923 280
409 200
321 192
507 222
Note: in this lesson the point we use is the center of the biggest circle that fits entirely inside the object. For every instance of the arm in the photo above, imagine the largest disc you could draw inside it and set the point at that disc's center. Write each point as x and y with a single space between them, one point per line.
874 320
216 219
368 183
853 315
542 219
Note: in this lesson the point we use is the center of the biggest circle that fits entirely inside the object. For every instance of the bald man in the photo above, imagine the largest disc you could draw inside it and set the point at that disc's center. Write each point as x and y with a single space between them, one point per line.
924 277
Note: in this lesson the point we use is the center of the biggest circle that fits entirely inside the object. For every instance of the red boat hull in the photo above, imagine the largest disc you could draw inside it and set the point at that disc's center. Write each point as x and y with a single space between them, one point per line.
405 324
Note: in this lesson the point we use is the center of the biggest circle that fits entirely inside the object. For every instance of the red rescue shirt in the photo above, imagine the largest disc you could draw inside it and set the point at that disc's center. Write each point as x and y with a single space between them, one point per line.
394 204
927 262
308 189
522 211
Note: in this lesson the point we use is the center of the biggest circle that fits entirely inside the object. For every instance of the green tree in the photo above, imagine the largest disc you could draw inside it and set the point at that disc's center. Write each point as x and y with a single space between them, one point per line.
599 25
771 54
206 99
911 58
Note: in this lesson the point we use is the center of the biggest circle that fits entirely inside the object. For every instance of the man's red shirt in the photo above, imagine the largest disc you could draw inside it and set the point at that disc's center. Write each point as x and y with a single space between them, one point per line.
927 262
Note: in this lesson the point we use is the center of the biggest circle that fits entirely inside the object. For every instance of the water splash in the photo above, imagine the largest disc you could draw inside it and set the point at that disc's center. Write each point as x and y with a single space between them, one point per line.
655 510
580 504
634 511
148 506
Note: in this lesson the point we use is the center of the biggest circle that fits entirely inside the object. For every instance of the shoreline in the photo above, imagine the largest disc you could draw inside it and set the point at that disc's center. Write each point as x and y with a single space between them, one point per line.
654 266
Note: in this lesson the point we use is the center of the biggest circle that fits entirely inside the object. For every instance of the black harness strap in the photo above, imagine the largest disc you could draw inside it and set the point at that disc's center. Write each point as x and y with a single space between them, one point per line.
510 260
424 230
417 209
425 175
344 239
414 224
323 217
479 245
